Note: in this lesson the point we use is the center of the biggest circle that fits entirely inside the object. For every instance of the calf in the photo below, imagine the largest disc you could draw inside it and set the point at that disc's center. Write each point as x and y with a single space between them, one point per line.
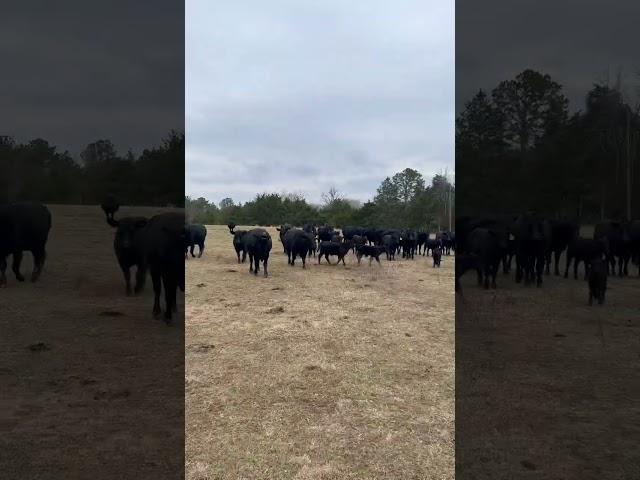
23 227
597 279
126 248
371 251
437 256
238 242
334 248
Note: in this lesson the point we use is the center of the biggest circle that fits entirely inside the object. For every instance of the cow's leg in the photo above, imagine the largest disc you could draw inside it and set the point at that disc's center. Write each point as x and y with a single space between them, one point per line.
126 272
170 286
156 278
264 266
17 260
141 276
39 256
238 254
378 260
201 246
3 271
304 263
256 268
557 254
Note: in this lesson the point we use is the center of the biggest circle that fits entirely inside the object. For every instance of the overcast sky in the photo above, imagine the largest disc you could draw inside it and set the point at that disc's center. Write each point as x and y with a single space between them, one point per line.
301 96
75 71
577 42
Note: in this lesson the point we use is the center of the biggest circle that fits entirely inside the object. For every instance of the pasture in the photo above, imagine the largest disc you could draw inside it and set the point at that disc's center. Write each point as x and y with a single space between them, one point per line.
331 372
90 381
550 376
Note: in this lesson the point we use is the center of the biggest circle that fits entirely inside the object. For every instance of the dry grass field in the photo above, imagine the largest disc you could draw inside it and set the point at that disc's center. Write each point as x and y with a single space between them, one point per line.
331 372
90 381
546 385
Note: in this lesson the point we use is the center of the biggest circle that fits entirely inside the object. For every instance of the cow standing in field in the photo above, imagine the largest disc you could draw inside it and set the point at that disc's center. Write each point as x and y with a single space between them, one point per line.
257 244
125 245
298 243
196 235
23 227
238 242
371 251
282 230
334 248
162 241
437 257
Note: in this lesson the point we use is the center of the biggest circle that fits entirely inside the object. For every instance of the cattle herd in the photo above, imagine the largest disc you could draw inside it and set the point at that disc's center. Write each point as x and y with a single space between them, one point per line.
325 241
486 243
156 245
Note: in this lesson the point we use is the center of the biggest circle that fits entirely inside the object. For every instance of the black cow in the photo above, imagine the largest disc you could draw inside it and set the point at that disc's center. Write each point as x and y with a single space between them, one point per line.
464 263
431 244
584 250
283 229
486 245
238 241
597 279
23 227
196 235
618 242
257 244
437 256
421 241
125 246
334 248
374 236
532 237
390 243
298 243
349 232
162 241
562 234
409 243
325 233
371 251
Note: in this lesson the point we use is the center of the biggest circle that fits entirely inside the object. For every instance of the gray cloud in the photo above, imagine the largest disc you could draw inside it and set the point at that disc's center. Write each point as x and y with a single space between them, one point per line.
283 96
578 43
76 71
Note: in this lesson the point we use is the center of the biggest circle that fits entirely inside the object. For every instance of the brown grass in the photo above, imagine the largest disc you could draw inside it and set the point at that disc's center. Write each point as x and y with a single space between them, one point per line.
324 373
546 386
91 384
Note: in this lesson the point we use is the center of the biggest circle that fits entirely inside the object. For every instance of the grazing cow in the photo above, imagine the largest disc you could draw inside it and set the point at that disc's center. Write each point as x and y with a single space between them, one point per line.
334 248
371 251
257 244
298 243
125 246
597 279
390 243
162 241
196 234
584 250
23 227
464 263
437 256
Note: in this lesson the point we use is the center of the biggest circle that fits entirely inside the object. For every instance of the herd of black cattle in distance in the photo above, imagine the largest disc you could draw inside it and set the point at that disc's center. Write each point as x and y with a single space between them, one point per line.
483 244
325 241
155 244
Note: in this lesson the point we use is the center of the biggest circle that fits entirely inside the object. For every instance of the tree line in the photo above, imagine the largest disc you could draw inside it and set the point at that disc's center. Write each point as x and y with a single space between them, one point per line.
403 200
519 144
38 171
